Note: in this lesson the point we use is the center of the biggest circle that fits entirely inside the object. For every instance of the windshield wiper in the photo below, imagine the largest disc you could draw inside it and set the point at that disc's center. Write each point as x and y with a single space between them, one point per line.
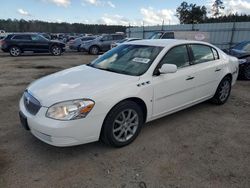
110 70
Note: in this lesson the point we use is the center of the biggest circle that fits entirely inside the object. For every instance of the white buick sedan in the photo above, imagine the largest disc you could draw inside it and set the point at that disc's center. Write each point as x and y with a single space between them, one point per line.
113 96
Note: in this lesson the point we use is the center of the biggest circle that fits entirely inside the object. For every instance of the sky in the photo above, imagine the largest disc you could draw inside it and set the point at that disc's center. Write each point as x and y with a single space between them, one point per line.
117 12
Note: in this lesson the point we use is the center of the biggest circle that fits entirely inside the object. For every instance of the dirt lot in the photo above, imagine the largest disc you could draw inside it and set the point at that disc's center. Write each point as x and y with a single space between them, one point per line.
204 146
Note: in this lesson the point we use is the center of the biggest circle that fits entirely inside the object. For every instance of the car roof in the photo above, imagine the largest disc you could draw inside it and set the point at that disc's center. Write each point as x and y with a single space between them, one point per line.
165 42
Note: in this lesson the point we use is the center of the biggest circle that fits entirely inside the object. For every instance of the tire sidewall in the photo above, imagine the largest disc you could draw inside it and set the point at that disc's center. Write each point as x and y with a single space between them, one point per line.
246 70
97 50
217 95
52 51
107 130
16 48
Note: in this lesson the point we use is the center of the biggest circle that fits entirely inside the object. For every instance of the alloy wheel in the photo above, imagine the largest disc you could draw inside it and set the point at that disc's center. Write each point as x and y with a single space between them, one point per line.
56 51
125 125
225 90
15 51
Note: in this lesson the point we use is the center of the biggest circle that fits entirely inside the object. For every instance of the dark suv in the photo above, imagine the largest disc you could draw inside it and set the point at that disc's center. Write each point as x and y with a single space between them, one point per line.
16 44
100 44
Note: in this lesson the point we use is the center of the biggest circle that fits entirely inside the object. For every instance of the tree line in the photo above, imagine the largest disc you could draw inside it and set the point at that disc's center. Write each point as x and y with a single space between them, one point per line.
14 25
194 14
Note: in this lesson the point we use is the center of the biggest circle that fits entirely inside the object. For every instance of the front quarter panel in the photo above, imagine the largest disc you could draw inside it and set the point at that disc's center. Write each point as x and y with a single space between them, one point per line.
141 89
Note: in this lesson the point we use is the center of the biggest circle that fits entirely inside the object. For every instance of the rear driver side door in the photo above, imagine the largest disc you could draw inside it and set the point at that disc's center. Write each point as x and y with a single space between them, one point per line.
208 70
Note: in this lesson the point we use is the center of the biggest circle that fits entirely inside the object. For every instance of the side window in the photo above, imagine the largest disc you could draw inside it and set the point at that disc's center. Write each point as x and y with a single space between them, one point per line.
21 37
177 56
216 55
37 38
202 53
169 35
107 38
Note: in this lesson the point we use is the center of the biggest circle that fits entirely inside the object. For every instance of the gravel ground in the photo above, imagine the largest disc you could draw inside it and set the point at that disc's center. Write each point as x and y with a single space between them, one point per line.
203 146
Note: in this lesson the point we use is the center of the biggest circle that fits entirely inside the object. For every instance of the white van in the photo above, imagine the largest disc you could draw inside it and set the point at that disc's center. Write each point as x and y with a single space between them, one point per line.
184 35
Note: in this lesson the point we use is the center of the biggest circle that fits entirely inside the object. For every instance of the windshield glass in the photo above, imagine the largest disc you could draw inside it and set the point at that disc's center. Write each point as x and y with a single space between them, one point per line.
122 41
240 46
128 59
156 35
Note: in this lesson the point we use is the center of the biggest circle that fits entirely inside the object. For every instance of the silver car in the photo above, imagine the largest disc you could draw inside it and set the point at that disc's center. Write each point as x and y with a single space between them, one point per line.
76 43
101 44
124 40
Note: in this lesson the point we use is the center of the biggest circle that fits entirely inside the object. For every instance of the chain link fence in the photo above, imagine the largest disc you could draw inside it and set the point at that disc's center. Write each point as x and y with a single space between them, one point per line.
223 35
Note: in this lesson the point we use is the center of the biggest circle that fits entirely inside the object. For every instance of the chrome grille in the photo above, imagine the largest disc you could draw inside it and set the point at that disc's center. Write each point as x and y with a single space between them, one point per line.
31 104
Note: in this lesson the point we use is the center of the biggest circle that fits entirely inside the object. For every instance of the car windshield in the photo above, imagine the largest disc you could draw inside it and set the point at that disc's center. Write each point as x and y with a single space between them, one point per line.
128 59
156 35
240 46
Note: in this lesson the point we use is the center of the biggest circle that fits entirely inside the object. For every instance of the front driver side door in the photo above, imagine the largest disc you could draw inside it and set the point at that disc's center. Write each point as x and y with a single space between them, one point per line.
39 43
174 90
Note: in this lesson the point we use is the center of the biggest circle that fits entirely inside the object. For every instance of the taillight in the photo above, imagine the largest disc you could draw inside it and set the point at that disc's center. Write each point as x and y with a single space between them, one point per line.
2 42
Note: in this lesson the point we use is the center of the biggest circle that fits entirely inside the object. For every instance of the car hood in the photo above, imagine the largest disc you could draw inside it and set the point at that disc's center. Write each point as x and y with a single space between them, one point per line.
76 83
57 41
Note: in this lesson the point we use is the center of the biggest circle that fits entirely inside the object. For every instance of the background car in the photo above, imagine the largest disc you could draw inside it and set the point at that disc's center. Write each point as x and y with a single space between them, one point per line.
16 44
76 43
101 44
242 52
185 35
114 44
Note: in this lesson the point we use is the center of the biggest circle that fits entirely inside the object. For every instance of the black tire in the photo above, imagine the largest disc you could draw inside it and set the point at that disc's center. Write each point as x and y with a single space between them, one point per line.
78 48
15 51
113 126
56 50
94 50
246 72
223 91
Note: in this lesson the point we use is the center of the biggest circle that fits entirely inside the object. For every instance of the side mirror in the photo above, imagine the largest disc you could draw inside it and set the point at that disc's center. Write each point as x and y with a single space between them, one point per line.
168 68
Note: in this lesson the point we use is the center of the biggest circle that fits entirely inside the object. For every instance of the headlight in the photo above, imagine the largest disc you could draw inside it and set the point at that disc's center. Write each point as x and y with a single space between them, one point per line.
70 110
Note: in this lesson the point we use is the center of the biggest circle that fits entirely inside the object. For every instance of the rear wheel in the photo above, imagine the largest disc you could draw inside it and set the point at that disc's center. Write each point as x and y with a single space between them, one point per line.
15 51
56 50
78 48
246 72
223 91
94 50
123 124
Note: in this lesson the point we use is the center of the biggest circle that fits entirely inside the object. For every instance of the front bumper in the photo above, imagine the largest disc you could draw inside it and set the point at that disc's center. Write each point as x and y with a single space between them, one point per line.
63 133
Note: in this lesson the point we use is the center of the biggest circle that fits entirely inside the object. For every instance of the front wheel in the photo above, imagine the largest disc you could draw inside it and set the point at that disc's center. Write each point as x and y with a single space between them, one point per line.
94 50
123 124
15 51
56 50
223 91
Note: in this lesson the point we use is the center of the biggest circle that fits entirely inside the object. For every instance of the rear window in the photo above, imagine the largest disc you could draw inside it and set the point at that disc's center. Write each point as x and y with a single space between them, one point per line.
21 37
202 53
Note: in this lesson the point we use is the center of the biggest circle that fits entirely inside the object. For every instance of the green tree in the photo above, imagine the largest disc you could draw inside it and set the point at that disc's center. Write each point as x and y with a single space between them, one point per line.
217 7
190 13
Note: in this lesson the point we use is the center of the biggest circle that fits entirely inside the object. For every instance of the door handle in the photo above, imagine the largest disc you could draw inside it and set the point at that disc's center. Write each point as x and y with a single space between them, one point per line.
217 70
190 78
